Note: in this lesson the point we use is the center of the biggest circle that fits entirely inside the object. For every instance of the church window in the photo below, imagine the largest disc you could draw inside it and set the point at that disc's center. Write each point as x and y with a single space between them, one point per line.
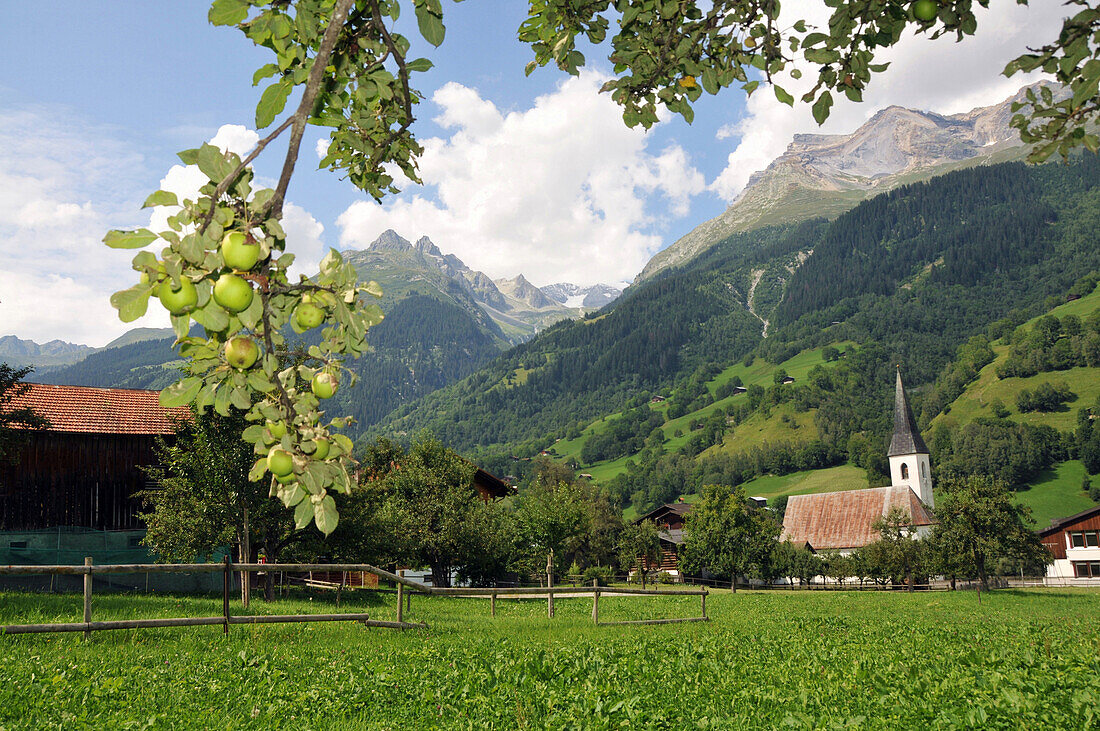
923 470
904 471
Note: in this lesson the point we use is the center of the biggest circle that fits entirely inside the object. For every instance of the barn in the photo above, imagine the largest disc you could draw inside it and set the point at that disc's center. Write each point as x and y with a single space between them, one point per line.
70 492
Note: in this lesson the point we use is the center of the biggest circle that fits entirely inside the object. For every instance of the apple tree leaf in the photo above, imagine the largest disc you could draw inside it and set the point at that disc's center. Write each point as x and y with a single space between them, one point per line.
161 198
325 515
272 103
227 12
138 239
180 393
303 514
431 27
131 303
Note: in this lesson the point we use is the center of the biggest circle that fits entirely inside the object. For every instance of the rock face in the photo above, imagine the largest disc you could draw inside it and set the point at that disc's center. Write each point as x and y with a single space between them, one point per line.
519 308
825 175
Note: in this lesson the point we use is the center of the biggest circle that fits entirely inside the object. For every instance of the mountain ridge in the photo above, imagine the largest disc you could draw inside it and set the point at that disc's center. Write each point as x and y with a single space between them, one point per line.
827 174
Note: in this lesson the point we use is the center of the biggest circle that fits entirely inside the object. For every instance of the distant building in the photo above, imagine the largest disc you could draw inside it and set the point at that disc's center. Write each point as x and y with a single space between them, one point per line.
843 521
1074 542
669 519
788 380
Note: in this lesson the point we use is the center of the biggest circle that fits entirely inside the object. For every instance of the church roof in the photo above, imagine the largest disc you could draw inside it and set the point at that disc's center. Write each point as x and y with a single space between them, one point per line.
842 520
906 439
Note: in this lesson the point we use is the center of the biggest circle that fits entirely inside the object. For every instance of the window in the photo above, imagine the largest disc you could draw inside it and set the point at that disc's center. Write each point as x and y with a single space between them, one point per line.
923 469
1084 539
1086 569
904 471
17 544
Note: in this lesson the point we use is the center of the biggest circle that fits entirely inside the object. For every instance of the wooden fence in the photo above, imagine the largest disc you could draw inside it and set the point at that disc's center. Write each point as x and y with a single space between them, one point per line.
405 589
88 570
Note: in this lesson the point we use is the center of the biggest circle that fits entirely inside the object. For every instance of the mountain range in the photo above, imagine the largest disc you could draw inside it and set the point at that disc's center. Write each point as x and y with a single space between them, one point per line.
825 175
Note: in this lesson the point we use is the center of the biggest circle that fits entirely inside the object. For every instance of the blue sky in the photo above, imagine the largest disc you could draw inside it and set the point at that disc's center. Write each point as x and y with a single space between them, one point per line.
533 175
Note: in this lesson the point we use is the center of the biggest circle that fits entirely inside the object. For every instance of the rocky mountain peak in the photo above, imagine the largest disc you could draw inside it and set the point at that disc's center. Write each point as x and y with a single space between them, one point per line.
390 240
827 174
425 246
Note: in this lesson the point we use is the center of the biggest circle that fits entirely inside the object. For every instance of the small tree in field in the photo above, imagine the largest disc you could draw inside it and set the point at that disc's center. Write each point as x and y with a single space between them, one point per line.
640 547
979 520
727 534
223 262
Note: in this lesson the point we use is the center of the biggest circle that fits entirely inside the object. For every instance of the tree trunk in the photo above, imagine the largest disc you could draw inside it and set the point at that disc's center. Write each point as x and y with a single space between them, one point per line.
733 583
441 575
909 579
641 572
269 575
245 556
979 562
952 582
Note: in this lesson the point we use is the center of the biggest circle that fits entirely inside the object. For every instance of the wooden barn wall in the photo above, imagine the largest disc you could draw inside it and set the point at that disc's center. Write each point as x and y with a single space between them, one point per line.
84 480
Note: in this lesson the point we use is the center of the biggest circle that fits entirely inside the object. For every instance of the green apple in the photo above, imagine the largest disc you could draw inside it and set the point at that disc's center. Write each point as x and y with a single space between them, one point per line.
276 428
322 449
178 301
233 293
286 479
241 352
324 385
280 462
925 10
308 315
239 252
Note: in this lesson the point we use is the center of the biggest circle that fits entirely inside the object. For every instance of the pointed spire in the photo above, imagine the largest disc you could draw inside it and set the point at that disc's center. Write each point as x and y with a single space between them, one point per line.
906 439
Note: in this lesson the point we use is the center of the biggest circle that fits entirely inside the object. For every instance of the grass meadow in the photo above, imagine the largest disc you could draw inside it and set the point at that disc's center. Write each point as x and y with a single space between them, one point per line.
820 660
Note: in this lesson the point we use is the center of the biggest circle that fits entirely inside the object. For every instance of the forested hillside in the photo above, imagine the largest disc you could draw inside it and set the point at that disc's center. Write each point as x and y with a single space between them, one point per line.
916 271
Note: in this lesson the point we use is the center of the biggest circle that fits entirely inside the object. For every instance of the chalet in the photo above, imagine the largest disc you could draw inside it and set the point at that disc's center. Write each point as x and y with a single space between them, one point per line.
738 389
490 487
669 519
844 520
657 400
1074 542
1072 297
788 380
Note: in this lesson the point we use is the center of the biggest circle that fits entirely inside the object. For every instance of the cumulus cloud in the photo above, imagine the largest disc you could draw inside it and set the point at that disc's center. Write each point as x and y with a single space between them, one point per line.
63 184
940 75
561 191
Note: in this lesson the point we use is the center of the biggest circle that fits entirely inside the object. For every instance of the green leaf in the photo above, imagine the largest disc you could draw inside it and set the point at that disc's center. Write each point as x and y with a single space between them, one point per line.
161 198
227 12
782 95
821 107
180 393
431 27
265 71
212 317
221 400
259 469
419 64
325 515
272 103
292 496
303 514
213 164
131 303
129 239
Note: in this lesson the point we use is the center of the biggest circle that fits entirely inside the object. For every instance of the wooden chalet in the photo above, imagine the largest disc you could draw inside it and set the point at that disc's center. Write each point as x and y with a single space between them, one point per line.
83 469
669 519
1074 542
491 487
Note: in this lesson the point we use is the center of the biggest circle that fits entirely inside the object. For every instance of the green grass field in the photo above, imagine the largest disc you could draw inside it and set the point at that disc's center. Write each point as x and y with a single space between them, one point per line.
799 660
1056 493
979 396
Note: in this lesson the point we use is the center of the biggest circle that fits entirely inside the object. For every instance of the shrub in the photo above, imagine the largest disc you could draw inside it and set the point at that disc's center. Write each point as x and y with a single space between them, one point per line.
601 574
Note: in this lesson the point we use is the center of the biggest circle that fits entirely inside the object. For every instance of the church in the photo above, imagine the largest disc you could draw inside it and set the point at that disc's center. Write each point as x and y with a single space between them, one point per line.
843 521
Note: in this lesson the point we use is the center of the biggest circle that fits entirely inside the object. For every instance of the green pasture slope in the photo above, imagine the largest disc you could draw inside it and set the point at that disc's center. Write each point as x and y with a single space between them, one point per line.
799 660
1056 493
754 431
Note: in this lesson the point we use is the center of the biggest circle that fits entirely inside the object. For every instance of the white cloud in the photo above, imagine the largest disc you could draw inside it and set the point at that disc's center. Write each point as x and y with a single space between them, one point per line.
940 75
303 237
63 184
562 191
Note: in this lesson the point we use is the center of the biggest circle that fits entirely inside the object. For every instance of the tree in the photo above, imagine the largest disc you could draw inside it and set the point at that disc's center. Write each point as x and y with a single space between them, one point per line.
434 511
15 423
550 516
224 262
981 520
898 550
728 535
204 500
640 547
795 562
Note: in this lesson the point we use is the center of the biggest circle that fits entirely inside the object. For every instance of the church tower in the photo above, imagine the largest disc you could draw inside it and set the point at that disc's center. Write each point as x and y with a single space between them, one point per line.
909 465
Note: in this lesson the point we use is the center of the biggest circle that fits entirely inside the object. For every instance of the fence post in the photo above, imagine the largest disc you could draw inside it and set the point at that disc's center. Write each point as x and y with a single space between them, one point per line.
595 601
704 602
400 600
87 598
493 604
225 594
550 584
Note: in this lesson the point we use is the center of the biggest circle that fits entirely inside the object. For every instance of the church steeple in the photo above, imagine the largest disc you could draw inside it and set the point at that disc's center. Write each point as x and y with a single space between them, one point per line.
908 454
906 439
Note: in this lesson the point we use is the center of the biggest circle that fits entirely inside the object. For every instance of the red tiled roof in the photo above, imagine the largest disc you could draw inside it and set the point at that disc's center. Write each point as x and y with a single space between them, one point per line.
100 410
840 520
